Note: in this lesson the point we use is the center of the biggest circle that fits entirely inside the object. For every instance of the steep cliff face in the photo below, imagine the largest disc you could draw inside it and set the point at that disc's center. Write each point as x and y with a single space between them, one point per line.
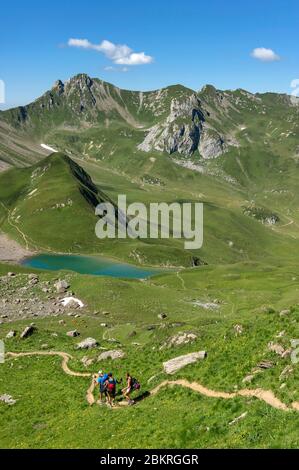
184 131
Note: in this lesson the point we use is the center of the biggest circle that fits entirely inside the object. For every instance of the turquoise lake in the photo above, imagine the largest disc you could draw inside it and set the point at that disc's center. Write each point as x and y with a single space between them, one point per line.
96 266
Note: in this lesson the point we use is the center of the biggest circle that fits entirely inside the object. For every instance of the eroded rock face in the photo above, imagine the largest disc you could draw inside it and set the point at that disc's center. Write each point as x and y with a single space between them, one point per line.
177 363
184 131
211 144
180 132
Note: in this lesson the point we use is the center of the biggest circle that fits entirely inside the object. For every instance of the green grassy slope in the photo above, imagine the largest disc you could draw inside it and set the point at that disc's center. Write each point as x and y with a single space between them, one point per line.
50 207
51 404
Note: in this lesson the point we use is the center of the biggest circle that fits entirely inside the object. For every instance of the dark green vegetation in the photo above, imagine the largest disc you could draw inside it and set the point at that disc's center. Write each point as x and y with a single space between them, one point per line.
235 152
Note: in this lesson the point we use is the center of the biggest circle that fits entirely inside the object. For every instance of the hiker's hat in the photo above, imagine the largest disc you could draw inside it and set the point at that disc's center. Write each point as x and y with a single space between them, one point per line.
100 372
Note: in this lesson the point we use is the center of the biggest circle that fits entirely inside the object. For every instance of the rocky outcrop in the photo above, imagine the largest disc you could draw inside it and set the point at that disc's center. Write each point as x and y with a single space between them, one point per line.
11 334
180 132
61 286
87 343
73 333
184 131
113 354
211 144
177 363
7 399
28 331
179 339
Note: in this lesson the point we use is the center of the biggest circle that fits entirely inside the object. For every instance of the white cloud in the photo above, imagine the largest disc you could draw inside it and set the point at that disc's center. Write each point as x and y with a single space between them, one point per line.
110 68
264 54
120 54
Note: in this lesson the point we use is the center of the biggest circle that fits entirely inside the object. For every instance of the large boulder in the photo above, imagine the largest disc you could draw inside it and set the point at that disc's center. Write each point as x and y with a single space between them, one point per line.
277 349
11 334
177 363
7 399
87 343
61 286
73 333
29 330
113 354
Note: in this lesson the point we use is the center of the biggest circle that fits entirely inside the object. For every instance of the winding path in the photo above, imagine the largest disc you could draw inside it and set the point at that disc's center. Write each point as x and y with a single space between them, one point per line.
264 395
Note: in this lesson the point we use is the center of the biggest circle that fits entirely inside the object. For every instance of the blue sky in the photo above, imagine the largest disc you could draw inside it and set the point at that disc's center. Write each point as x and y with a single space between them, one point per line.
191 42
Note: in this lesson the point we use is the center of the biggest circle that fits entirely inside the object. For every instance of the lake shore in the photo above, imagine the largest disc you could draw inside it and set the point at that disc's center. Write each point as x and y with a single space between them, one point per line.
11 251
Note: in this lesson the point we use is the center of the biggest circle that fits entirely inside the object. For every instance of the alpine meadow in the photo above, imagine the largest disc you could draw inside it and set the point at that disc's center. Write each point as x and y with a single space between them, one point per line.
210 335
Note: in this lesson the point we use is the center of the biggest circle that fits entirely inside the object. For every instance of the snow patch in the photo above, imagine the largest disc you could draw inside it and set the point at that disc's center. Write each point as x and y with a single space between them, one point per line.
68 300
47 147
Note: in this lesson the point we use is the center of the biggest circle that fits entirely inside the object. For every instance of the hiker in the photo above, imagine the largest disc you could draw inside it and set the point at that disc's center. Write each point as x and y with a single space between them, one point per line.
132 384
111 388
101 380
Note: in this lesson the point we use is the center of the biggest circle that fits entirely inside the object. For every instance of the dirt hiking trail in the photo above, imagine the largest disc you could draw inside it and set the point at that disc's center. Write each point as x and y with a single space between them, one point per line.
264 395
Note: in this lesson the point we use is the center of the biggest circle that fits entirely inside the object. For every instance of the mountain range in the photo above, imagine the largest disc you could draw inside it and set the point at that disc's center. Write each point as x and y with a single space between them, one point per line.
233 150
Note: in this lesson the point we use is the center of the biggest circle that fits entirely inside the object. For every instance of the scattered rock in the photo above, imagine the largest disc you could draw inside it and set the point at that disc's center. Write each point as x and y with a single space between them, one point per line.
32 276
44 346
177 363
11 334
278 349
86 361
113 354
286 372
61 286
280 334
8 399
238 329
285 312
265 365
132 334
162 316
248 379
73 334
180 338
236 420
11 274
29 330
87 344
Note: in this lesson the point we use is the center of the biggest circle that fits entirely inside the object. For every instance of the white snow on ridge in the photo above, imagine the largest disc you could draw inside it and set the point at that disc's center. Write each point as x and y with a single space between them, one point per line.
46 147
